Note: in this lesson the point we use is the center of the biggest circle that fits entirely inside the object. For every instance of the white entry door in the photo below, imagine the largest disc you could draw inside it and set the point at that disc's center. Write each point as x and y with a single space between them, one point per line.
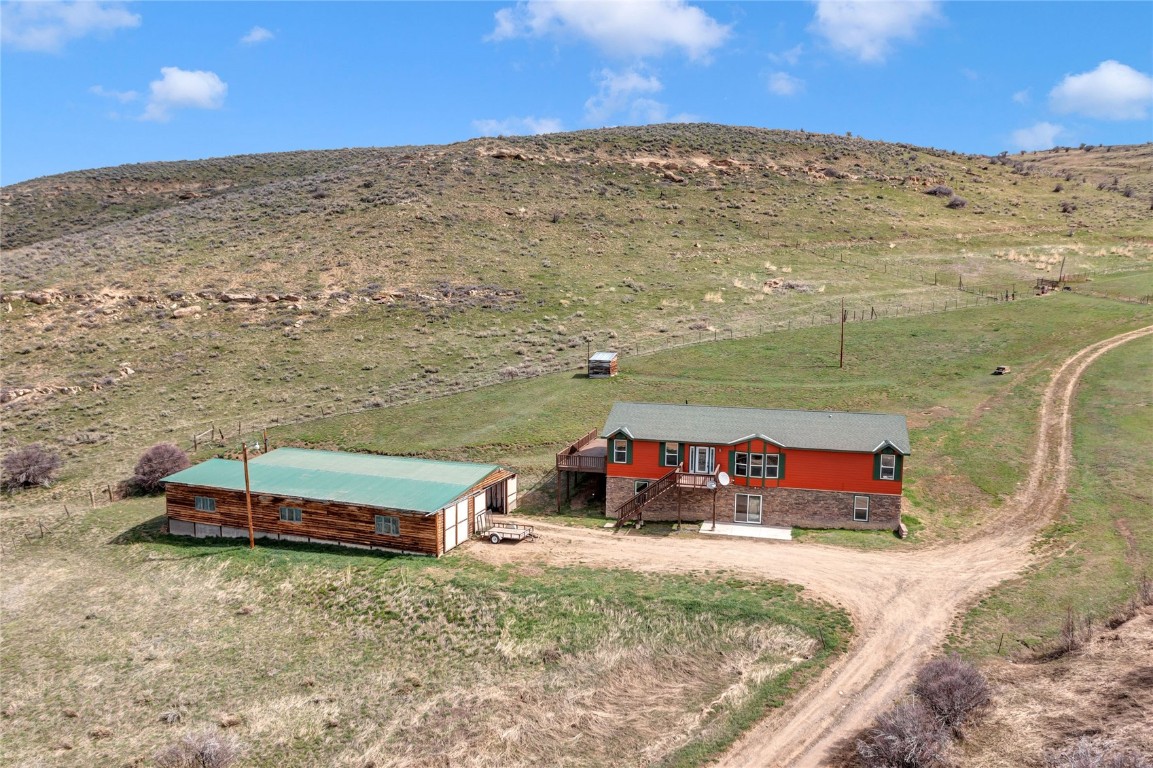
702 459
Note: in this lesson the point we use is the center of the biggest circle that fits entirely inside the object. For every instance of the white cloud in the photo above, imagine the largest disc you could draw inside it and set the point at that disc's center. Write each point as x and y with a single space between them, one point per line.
622 93
1021 97
1112 91
784 84
46 27
517 126
181 88
618 27
257 35
122 96
867 29
1039 136
790 57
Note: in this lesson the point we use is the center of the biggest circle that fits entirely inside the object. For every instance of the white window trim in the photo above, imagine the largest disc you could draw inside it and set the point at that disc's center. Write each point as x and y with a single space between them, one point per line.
772 462
756 468
739 458
204 504
889 472
857 508
748 499
287 514
640 485
394 525
620 450
675 459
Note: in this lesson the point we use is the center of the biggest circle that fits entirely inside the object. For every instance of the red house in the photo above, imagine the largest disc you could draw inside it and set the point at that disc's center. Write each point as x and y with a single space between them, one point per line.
809 469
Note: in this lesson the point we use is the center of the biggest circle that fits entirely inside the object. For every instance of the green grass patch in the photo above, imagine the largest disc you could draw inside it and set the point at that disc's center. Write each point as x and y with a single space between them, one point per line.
1093 556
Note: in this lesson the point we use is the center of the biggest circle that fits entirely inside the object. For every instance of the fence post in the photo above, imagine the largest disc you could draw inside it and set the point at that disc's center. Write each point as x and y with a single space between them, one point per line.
92 498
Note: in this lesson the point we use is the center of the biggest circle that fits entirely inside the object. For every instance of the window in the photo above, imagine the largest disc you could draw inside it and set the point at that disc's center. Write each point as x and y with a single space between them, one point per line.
291 514
772 465
741 465
672 457
620 451
639 485
888 467
702 459
756 464
861 509
748 509
205 504
386 525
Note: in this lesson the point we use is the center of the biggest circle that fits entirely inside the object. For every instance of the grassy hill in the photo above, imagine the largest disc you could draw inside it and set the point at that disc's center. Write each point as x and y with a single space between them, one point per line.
375 275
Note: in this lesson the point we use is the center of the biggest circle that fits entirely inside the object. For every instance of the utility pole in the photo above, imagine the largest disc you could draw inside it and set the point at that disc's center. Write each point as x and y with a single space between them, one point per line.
842 365
1061 277
248 497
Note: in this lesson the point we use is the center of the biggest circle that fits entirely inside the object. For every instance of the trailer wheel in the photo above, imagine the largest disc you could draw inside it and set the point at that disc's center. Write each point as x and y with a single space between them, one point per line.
495 538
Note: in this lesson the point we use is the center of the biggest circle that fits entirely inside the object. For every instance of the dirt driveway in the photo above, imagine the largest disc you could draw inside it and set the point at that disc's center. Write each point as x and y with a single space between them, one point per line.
902 604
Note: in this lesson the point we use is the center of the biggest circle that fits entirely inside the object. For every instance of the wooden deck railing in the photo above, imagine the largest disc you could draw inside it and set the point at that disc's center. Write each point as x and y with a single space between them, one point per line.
578 463
571 460
687 480
632 508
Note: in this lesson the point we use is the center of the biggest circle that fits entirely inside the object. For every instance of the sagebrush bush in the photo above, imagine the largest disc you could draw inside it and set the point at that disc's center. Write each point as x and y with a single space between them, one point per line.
906 736
956 202
204 749
952 689
158 462
940 190
30 465
1088 752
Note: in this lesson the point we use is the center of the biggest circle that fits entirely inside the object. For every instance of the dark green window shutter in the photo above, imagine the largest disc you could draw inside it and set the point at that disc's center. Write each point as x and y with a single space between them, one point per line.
628 452
900 464
876 466
732 462
781 466
662 461
680 454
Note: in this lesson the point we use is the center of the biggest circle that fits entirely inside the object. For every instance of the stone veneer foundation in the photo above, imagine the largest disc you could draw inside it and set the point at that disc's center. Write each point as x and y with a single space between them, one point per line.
780 507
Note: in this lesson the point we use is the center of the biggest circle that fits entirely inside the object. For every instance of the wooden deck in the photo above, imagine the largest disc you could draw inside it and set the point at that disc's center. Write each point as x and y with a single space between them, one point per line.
589 454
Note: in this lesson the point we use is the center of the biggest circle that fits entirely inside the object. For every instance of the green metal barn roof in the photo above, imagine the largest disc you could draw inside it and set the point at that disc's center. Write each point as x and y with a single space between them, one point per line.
391 482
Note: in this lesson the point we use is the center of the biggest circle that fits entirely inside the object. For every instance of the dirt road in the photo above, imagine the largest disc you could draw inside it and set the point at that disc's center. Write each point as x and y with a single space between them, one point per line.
902 604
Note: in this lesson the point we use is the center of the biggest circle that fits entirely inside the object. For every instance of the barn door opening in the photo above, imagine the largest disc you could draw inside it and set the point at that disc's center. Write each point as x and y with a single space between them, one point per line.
481 521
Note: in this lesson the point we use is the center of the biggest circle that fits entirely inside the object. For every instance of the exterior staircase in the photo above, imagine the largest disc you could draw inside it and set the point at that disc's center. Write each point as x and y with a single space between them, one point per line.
631 509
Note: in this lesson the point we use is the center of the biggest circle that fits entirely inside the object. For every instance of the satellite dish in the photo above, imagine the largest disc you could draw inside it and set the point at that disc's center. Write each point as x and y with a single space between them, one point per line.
711 485
723 478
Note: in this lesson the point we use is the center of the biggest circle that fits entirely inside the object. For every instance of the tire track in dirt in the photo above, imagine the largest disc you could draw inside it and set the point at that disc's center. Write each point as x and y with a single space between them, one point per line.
902 603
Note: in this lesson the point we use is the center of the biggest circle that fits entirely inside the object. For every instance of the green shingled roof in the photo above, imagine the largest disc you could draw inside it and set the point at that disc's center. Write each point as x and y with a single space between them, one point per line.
390 482
720 425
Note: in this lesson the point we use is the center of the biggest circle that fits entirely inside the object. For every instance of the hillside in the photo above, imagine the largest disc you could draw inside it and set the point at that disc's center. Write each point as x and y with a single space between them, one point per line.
150 300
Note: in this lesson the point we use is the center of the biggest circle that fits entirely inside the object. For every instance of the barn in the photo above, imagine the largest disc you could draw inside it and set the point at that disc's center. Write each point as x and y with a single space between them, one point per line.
782 468
391 503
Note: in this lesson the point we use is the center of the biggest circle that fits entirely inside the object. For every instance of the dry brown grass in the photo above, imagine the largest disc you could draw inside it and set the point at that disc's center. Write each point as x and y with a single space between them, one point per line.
1105 689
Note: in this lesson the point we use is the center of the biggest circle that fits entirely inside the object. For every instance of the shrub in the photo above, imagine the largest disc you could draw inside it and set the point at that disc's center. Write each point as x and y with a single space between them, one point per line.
906 736
940 190
157 463
956 202
205 749
1087 752
952 689
31 465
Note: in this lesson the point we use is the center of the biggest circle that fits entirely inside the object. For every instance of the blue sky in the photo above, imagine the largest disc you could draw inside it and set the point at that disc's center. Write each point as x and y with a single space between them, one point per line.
92 84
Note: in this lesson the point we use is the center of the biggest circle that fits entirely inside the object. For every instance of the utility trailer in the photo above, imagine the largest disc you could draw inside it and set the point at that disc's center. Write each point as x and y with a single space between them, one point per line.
511 531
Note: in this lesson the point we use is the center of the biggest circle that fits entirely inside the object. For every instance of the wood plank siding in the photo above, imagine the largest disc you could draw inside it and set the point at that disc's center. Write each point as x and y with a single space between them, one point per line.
330 521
